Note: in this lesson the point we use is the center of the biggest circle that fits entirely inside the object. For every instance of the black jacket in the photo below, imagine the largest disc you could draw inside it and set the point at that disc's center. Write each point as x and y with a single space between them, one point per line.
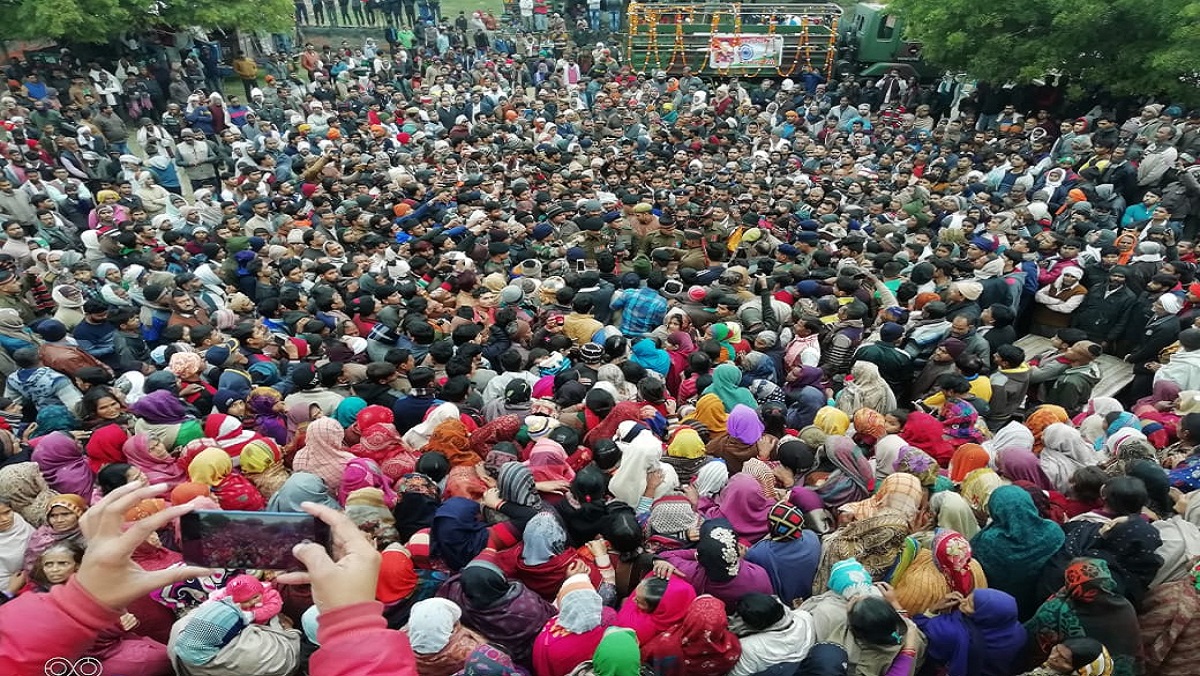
1104 316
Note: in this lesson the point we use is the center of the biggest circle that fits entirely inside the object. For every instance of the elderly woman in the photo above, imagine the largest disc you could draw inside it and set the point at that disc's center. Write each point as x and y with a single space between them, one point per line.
62 525
440 642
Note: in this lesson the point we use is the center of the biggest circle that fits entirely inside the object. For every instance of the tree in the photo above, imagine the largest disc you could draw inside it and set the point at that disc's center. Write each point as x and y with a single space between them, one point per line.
98 21
1124 47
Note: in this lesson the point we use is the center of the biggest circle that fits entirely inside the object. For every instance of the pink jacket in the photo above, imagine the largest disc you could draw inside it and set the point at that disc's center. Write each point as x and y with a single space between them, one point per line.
35 628
355 641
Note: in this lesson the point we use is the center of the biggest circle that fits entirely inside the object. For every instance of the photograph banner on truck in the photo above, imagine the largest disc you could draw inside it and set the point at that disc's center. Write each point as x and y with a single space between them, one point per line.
727 51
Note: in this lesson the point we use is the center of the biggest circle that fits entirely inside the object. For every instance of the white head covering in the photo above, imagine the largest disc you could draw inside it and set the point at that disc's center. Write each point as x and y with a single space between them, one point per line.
417 437
639 456
1171 303
431 624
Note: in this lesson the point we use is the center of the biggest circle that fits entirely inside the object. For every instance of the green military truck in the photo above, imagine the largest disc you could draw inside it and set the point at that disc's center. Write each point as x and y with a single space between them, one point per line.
871 42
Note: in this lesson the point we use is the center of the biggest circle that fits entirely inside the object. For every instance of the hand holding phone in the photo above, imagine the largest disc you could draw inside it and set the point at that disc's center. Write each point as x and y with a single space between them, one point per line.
249 540
350 576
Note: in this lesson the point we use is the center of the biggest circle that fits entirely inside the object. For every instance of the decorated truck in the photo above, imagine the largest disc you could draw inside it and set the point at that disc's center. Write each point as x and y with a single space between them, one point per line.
783 39
768 40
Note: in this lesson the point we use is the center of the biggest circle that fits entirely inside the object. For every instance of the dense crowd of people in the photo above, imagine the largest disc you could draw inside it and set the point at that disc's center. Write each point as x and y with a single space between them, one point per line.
593 371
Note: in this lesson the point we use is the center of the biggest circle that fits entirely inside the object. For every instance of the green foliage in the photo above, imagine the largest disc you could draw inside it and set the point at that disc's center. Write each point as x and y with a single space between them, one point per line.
1119 46
98 21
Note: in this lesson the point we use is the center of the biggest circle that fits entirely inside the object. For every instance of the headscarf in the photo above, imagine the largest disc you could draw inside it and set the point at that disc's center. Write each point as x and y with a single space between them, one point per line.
900 493
62 463
726 384
878 543
488 660
919 464
744 424
25 490
207 631
929 434
721 333
672 608
617 654
451 438
1019 464
517 485
968 458
210 467
261 462
105 446
852 479
954 513
717 551
160 407
639 455
743 506
419 435
397 576
457 533
653 358
580 608
301 487
347 412
832 421
1063 452
869 422
686 444
262 402
711 478
710 411
158 469
702 645
1012 435
55 418
365 473
866 388
323 454
431 624
1041 418
1016 541
978 486
544 538
418 501
959 419
952 556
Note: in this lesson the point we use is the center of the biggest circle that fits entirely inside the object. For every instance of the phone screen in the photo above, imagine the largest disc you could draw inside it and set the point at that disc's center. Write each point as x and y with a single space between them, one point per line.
248 540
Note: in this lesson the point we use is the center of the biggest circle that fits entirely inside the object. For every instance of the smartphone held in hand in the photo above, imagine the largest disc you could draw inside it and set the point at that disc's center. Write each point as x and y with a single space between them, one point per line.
248 540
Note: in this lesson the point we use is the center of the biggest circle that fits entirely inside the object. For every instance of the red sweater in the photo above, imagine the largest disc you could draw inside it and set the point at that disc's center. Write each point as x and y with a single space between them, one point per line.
355 641
35 628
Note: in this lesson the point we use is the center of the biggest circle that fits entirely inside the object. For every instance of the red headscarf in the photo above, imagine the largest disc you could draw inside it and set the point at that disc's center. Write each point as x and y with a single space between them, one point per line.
925 432
701 645
105 446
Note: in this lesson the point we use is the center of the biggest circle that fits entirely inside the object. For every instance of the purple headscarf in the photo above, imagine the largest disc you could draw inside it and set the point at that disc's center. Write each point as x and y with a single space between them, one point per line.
744 505
1020 464
63 464
744 424
160 407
